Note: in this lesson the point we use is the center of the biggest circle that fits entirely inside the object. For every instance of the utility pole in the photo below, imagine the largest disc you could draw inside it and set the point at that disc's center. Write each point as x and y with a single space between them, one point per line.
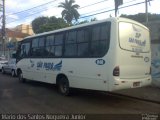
146 4
3 27
117 4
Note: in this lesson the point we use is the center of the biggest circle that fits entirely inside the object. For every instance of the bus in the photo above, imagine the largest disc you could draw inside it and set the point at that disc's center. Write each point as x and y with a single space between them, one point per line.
106 55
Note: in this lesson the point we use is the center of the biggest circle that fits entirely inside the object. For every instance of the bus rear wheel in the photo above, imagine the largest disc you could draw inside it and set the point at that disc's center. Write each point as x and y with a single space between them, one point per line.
63 86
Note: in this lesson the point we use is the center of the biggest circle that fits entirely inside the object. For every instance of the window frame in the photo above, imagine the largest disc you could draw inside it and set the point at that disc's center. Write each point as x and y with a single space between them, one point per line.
38 37
108 24
64 33
19 49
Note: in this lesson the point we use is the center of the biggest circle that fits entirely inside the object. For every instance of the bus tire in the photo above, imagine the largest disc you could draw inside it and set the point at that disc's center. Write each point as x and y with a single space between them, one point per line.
20 77
63 86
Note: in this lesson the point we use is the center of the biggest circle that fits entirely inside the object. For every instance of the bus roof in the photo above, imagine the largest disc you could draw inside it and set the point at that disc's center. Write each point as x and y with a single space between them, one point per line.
86 24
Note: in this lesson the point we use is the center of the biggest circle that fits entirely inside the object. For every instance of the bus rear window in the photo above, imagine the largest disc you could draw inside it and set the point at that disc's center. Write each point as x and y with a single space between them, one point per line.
133 37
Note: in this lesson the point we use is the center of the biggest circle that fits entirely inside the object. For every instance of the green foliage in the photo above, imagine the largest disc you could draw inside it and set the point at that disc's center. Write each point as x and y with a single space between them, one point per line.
45 24
70 10
93 19
141 17
86 21
82 22
38 22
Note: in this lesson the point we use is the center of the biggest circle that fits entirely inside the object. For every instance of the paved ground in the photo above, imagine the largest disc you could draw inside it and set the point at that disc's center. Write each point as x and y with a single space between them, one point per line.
156 82
150 93
35 97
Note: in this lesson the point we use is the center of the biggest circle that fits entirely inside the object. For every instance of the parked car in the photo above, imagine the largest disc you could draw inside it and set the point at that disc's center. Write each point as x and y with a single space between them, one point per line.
3 60
10 67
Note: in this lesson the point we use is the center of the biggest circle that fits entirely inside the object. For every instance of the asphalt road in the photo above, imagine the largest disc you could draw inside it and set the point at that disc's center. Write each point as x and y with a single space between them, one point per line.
35 97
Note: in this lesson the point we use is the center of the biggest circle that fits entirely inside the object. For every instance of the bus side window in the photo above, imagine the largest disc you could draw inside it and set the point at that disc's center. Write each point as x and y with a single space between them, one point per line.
83 42
100 40
25 47
58 41
95 41
38 47
41 44
70 44
34 47
49 50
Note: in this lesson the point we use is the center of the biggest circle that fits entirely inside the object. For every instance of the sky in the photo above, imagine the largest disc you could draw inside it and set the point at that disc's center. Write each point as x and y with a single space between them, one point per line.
31 9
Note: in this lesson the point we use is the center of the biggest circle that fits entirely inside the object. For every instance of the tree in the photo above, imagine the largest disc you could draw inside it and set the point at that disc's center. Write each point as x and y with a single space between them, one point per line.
48 24
141 17
38 22
86 21
70 10
82 22
93 19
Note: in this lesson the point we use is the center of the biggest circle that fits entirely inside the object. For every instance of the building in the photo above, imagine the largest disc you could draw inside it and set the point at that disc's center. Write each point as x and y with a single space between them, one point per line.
27 29
15 35
12 38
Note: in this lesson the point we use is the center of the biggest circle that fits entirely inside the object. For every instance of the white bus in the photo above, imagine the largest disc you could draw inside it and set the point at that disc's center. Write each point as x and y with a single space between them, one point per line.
106 55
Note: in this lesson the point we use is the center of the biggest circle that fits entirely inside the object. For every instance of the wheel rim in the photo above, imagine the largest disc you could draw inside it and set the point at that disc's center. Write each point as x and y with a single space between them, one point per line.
64 88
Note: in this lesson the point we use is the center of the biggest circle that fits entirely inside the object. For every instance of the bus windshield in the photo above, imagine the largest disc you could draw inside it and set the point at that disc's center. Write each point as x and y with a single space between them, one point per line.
133 37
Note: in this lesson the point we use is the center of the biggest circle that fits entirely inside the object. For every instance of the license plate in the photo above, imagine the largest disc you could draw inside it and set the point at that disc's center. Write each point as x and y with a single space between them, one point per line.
136 84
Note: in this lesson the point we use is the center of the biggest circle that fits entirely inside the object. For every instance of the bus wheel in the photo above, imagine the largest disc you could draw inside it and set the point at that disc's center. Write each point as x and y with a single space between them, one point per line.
13 73
20 77
63 86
